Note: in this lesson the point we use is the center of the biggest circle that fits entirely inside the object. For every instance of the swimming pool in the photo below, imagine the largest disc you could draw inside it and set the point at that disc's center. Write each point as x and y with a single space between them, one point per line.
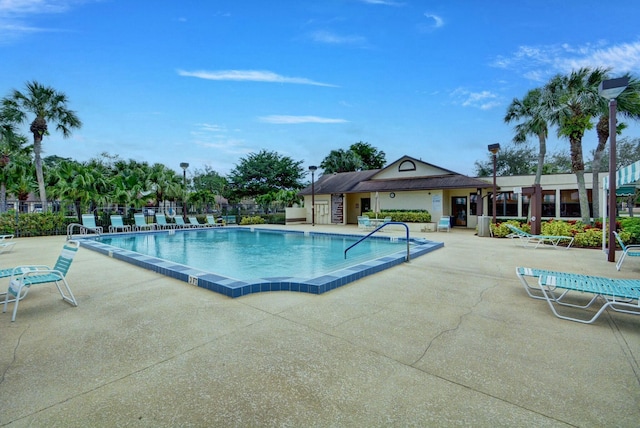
236 261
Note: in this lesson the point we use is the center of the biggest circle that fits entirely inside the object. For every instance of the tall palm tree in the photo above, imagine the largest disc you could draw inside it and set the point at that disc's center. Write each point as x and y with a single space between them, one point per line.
629 107
11 145
530 114
571 102
48 105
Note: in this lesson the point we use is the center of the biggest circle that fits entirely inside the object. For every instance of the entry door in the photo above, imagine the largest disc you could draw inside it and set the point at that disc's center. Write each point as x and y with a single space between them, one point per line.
365 205
459 210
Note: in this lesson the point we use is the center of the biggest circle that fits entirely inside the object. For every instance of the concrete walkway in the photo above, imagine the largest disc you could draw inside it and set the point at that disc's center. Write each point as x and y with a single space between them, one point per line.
449 339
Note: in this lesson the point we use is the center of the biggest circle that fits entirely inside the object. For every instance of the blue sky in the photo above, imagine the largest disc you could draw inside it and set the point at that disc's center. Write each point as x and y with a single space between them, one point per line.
208 82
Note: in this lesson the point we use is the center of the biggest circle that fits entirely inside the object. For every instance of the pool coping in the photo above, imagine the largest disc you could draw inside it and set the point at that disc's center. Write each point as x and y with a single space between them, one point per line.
236 288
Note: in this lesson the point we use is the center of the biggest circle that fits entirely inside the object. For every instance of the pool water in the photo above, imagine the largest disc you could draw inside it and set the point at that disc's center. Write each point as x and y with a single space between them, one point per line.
237 261
243 254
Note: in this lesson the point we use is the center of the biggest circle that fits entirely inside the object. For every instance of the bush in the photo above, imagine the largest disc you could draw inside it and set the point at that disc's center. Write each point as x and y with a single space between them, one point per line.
34 224
256 219
403 216
556 228
590 238
500 230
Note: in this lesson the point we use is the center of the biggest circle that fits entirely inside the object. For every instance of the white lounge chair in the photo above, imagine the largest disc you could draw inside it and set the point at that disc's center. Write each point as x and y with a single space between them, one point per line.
444 223
527 239
161 221
627 250
6 243
621 295
23 277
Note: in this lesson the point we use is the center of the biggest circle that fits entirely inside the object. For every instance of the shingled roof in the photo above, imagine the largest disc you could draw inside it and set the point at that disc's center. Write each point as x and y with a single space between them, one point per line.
361 181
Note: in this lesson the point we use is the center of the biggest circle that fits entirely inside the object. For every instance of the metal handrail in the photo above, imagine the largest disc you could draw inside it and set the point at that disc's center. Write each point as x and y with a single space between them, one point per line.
407 258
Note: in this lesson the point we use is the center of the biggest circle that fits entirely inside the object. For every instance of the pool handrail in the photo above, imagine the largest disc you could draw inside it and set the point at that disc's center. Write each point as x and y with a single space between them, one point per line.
407 258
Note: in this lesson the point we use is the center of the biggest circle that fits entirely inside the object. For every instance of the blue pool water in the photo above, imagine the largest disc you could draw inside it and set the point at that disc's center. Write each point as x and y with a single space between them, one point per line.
236 261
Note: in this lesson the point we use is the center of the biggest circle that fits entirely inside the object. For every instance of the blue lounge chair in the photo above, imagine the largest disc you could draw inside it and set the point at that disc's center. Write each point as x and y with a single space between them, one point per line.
444 223
23 277
620 295
211 221
141 223
180 222
117 224
89 224
627 250
527 239
161 221
364 222
193 221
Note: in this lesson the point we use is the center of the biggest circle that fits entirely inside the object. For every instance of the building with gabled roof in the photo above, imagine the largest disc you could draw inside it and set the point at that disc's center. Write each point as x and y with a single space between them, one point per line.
406 184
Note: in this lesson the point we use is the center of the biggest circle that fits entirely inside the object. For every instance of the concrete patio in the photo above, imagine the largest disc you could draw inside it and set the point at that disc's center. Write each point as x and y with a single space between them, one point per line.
449 339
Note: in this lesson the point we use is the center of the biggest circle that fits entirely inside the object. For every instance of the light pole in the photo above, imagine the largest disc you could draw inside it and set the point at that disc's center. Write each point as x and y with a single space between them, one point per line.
313 168
610 89
494 149
184 166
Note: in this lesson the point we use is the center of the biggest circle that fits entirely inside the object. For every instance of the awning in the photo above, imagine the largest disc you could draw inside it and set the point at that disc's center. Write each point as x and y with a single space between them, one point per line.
627 175
626 191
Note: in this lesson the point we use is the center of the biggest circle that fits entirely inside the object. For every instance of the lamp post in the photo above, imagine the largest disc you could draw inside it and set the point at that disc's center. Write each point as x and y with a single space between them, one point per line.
494 149
611 89
313 168
184 166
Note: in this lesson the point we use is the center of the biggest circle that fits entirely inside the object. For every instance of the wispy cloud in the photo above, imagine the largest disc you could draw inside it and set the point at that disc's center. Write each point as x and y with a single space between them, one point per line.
332 38
435 21
294 120
250 76
484 100
15 20
540 62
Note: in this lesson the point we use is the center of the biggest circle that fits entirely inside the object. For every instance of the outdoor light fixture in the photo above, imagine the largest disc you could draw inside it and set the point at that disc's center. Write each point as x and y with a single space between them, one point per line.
611 89
494 149
184 166
313 169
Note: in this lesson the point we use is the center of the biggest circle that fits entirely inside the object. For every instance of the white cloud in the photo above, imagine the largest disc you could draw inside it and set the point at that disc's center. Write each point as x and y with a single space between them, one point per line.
437 21
250 76
294 120
484 100
541 62
332 38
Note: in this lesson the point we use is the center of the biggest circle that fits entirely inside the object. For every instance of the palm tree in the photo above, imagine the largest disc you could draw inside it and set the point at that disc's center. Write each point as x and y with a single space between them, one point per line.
533 122
48 105
629 107
571 102
11 144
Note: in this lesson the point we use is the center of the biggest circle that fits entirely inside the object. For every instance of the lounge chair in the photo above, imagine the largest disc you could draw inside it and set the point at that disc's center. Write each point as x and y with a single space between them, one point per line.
6 243
444 223
161 221
117 224
141 223
627 250
621 295
193 221
527 239
89 225
211 221
364 222
23 277
180 222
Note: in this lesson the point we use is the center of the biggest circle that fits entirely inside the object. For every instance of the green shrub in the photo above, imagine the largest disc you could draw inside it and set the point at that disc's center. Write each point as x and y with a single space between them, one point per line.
556 228
256 219
403 216
590 238
500 230
34 224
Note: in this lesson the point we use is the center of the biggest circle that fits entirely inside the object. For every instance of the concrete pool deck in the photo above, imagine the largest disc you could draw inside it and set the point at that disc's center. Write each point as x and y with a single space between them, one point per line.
450 338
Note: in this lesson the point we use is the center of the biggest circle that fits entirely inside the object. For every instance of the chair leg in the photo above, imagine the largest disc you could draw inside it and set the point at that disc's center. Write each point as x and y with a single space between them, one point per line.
619 264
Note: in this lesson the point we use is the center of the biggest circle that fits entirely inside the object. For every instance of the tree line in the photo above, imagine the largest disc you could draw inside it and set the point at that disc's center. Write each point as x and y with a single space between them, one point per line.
265 177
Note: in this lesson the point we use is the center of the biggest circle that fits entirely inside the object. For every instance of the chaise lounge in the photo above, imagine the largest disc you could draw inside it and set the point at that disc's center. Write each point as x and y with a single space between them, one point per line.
557 288
527 239
627 250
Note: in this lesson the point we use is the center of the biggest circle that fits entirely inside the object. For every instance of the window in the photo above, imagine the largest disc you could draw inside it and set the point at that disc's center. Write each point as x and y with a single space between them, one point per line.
506 204
407 165
570 203
473 204
548 203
